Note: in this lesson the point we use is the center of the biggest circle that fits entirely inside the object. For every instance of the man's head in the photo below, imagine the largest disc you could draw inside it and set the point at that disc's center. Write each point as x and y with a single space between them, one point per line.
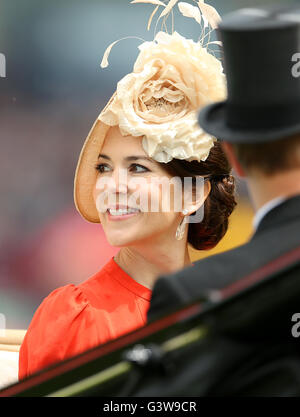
264 159
271 169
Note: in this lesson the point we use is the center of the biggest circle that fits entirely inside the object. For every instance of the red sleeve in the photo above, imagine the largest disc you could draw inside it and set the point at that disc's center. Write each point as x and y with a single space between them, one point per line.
62 326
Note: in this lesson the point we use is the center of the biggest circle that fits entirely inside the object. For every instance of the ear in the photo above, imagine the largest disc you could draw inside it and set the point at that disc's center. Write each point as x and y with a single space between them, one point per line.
195 204
229 151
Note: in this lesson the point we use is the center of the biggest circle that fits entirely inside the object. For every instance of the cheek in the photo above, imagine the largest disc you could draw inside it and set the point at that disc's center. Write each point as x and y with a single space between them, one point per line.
165 198
101 197
159 197
161 215
162 224
100 203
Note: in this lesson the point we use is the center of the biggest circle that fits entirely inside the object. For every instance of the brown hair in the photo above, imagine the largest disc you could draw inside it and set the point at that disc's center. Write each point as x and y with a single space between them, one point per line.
220 202
270 158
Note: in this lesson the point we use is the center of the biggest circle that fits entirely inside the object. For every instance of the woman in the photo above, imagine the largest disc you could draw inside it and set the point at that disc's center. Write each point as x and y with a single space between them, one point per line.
145 137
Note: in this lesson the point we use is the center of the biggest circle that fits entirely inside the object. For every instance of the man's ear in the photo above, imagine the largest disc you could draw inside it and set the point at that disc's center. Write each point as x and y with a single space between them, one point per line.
229 151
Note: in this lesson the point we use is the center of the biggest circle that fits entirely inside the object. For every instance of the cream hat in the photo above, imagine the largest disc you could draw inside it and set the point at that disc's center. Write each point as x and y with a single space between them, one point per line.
173 77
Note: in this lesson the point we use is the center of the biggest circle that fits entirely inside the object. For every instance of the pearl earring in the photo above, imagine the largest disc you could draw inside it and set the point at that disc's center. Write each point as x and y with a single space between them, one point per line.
181 228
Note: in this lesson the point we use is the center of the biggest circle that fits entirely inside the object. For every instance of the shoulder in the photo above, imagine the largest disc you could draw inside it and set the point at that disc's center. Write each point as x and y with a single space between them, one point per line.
63 301
57 330
60 310
71 298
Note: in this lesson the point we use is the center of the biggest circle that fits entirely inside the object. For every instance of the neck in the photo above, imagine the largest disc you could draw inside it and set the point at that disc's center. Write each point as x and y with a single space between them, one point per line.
147 261
266 188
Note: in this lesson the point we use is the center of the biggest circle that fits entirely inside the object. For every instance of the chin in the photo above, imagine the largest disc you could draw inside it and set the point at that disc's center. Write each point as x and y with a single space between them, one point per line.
118 243
121 240
118 240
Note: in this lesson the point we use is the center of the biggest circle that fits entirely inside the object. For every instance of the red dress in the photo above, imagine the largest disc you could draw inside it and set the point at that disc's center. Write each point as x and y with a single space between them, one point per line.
76 318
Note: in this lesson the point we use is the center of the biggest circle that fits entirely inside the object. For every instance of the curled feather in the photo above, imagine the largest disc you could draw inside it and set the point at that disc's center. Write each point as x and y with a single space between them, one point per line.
168 8
209 14
104 62
157 2
151 17
188 10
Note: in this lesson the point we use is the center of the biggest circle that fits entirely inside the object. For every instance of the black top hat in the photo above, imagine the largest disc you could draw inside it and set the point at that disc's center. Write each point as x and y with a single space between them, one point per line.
262 65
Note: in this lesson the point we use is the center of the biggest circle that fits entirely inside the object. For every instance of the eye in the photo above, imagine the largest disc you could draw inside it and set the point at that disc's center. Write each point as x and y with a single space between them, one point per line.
135 167
100 167
144 169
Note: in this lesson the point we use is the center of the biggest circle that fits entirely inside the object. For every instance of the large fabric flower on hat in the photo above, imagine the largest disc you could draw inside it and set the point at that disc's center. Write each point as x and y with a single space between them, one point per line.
173 77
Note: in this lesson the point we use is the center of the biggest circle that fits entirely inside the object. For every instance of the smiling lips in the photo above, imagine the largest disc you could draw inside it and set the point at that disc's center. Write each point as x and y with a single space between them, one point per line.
120 212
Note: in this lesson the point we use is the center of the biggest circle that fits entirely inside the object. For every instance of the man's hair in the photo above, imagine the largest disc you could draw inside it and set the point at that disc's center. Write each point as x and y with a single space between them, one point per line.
270 157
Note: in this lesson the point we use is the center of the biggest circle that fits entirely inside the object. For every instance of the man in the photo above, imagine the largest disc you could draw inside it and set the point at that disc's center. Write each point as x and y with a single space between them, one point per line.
259 126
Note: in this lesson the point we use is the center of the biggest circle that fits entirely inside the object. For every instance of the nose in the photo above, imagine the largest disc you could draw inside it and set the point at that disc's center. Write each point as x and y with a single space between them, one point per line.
112 189
118 182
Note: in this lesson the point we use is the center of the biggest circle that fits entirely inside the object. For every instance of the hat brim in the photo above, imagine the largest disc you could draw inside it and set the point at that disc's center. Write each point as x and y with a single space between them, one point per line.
212 119
86 174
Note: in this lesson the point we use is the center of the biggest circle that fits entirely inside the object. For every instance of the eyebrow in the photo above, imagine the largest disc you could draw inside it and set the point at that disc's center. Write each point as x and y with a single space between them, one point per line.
128 158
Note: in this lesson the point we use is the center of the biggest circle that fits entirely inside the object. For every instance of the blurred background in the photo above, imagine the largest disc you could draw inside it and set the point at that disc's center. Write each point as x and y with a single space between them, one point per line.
53 91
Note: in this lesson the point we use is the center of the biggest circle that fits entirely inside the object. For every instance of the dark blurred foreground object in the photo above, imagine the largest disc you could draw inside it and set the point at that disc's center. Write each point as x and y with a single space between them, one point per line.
237 341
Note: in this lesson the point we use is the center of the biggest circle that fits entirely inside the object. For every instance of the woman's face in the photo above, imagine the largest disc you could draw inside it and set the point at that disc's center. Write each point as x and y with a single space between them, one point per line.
127 177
